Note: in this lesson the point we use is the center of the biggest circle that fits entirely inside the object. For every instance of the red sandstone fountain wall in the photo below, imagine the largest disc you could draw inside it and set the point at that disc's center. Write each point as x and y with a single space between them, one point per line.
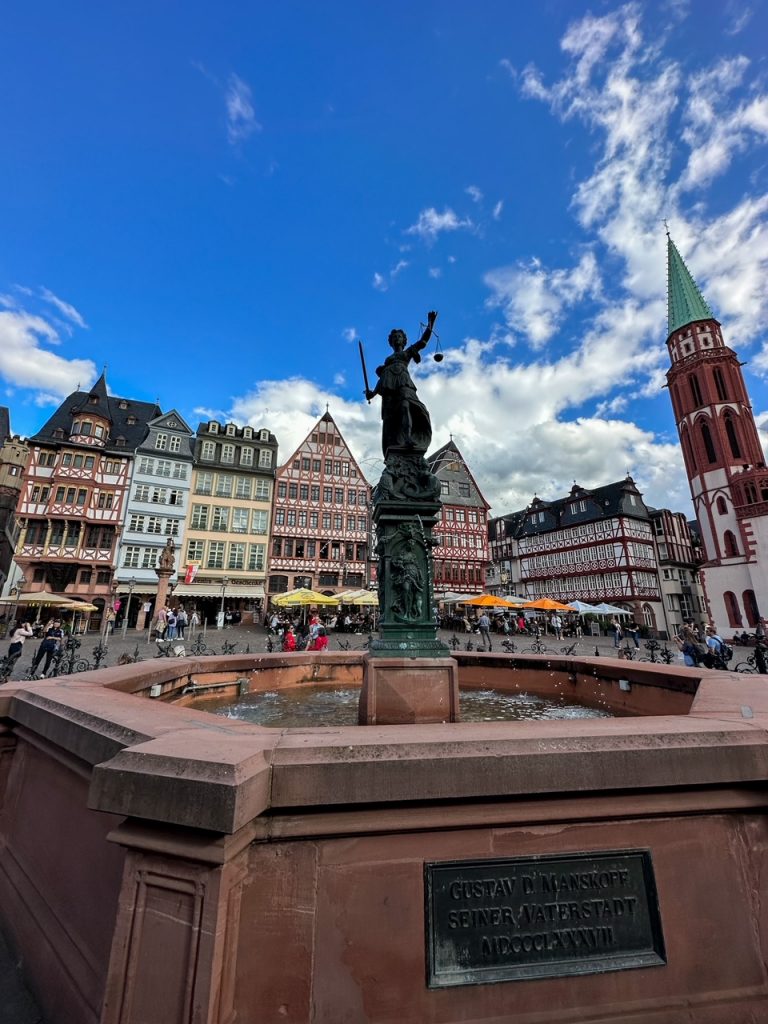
160 865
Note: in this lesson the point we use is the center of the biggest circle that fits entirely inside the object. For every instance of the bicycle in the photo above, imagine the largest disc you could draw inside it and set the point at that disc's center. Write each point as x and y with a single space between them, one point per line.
756 663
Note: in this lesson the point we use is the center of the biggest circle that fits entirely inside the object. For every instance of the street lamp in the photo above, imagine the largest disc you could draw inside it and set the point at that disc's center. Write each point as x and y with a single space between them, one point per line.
15 591
131 585
224 582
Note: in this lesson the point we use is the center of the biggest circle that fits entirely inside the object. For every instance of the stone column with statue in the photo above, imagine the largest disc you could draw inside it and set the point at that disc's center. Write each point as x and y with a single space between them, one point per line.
407 661
165 568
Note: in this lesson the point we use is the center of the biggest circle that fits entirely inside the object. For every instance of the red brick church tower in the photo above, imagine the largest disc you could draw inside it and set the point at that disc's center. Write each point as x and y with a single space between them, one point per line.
723 456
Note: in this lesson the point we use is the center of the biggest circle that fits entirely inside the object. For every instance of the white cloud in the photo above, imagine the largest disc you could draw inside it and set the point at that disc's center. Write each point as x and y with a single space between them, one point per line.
474 193
379 282
497 209
508 66
740 16
67 310
349 334
435 272
26 364
398 268
431 223
241 116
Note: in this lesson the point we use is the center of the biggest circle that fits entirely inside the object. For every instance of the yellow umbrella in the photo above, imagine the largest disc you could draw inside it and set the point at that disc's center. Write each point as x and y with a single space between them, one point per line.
366 599
546 604
44 597
80 606
303 597
490 601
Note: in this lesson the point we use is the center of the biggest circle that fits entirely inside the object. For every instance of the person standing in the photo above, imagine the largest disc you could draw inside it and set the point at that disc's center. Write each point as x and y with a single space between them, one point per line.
170 618
557 625
617 634
20 633
194 619
484 625
181 622
162 622
47 649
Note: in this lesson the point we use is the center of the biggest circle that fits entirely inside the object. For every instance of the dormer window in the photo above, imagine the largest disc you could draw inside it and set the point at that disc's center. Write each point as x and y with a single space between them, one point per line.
213 427
93 399
248 432
58 432
98 431
85 428
131 420
263 435
122 404
120 442
230 430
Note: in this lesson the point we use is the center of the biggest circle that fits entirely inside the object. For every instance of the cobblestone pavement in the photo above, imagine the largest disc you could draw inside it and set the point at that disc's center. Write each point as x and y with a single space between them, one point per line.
254 638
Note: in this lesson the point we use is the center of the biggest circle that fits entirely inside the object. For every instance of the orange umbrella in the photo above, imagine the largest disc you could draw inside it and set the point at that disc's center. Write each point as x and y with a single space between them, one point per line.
489 601
546 604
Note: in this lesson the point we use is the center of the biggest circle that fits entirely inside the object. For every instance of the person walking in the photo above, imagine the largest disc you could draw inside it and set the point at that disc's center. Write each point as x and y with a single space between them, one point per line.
194 620
162 622
52 640
484 625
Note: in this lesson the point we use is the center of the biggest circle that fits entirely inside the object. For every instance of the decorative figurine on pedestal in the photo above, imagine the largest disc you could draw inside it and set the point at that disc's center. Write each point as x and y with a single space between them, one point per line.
406 504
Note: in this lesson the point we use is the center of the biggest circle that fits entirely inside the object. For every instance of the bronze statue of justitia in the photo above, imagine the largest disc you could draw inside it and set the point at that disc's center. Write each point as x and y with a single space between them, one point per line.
405 419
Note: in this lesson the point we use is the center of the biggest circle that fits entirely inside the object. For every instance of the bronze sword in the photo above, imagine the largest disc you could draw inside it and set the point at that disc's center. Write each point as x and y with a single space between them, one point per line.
365 372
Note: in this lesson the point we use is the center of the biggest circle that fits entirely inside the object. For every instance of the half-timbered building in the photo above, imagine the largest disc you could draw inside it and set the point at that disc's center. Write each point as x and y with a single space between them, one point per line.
72 504
724 459
14 453
320 536
157 505
678 555
593 545
462 555
224 558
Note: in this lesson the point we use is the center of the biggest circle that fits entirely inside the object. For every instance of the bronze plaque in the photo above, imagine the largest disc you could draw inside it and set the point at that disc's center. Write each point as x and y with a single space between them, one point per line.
539 917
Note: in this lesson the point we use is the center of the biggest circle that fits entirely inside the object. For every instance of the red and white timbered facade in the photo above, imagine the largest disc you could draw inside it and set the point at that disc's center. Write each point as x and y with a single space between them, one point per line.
462 554
321 517
72 504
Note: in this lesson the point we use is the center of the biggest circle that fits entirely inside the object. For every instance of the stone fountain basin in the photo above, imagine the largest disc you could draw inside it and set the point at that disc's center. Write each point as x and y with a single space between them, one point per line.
136 831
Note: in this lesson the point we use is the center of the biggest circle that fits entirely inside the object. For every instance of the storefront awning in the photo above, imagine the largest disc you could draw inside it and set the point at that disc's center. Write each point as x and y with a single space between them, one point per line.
254 591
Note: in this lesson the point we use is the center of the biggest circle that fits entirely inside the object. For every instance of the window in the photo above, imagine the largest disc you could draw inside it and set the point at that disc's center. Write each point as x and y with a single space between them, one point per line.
236 556
230 430
161 442
345 469
204 483
362 523
239 520
171 528
223 485
732 608
304 492
313 520
722 508
731 547
326 520
199 519
35 494
227 453
282 489
98 431
213 427
148 558
246 456
220 518
159 495
175 498
351 523
89 461
208 451
337 467
256 553
695 391
293 491
722 393
339 495
463 490
709 446
444 487
291 517
338 522
146 465
280 517
179 471
248 433
733 440
154 524
106 499
85 575
242 487
305 464
316 465
195 550
263 490
164 467
311 548
265 458
314 492
302 518
174 443
136 524
131 556
288 547
259 521
60 492
215 554
329 466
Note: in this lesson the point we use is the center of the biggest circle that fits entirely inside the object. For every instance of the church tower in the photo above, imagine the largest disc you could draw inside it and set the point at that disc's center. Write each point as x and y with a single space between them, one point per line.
723 457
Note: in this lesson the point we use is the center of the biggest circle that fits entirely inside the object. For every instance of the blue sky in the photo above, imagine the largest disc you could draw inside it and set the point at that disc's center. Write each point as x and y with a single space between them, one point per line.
217 200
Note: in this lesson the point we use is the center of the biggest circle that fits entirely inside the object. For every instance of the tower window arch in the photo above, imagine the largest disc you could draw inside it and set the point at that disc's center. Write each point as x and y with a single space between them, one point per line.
720 387
696 391
722 508
729 541
751 493
688 449
709 444
732 608
750 607
733 441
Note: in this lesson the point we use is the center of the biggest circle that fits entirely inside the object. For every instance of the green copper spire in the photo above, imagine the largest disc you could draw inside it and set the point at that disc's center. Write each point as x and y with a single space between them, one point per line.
685 303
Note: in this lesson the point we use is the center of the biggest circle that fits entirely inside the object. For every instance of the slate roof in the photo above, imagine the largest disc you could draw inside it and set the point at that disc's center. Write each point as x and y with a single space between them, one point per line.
685 303
118 411
604 502
439 462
